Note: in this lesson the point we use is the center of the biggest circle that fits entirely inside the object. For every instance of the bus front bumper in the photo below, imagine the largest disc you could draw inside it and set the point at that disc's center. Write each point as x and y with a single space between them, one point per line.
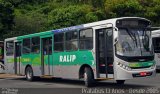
122 74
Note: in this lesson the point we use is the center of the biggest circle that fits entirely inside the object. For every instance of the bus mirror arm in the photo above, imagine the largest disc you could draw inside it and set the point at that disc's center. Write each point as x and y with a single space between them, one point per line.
116 29
116 40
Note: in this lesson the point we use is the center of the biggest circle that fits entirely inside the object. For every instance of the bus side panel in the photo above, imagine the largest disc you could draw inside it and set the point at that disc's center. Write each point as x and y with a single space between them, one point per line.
67 64
51 64
66 71
34 61
9 61
25 60
69 71
37 70
36 64
22 69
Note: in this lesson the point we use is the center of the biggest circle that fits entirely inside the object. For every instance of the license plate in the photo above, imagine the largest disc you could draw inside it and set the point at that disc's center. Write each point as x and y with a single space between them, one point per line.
143 73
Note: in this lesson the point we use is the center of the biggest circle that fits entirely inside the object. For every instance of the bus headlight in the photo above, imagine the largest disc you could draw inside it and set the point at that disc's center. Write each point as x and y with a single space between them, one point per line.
128 68
124 66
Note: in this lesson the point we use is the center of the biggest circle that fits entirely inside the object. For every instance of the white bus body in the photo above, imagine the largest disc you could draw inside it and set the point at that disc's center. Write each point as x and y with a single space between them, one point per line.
156 44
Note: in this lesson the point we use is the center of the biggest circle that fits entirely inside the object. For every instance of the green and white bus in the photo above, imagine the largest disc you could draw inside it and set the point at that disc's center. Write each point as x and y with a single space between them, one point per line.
118 48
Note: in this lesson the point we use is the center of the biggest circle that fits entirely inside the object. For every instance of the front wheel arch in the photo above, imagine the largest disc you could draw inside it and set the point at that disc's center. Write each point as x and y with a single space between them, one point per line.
29 68
81 70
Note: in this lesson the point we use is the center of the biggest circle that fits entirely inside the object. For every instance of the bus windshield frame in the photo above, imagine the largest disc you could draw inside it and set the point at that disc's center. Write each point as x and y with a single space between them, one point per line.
134 43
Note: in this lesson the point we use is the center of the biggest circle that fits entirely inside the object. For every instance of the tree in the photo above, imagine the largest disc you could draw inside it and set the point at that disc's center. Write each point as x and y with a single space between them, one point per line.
70 16
121 8
6 17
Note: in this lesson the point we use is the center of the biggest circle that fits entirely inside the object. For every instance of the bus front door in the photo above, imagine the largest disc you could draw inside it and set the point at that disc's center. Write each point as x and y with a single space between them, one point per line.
46 56
104 52
17 63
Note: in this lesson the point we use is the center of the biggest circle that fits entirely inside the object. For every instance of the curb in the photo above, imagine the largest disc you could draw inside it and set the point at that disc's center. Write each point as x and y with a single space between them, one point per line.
3 76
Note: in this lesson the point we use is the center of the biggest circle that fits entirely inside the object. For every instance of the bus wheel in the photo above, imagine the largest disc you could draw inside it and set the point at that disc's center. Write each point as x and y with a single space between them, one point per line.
88 77
120 82
29 74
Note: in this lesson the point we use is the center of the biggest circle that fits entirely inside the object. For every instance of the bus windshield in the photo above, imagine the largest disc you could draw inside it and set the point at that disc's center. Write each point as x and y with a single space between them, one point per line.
134 42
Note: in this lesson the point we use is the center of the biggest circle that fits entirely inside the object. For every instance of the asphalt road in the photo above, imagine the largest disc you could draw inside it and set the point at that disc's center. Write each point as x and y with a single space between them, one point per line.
70 86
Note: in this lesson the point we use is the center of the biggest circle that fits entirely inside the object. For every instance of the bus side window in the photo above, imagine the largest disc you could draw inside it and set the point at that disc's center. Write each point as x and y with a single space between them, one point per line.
156 44
35 45
86 39
59 42
47 46
50 45
71 41
9 48
26 46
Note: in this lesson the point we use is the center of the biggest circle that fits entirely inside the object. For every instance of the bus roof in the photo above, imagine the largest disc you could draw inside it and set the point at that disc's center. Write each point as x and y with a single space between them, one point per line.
113 20
34 35
10 39
88 25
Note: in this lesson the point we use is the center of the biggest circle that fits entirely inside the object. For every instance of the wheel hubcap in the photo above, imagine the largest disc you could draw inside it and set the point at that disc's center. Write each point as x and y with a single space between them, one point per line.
85 77
29 74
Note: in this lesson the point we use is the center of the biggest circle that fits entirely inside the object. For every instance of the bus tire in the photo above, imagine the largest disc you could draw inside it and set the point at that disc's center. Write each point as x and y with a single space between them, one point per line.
120 82
29 74
88 77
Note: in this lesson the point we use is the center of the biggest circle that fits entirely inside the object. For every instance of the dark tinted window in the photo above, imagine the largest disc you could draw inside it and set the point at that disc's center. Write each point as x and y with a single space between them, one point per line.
86 39
59 42
26 46
9 48
47 46
71 42
35 45
156 44
18 49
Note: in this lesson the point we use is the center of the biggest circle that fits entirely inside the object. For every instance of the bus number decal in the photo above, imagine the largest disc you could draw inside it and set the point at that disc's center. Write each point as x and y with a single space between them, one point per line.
67 58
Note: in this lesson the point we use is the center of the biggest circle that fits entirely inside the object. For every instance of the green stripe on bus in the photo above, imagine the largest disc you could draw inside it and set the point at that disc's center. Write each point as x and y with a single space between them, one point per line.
73 58
61 58
10 60
142 64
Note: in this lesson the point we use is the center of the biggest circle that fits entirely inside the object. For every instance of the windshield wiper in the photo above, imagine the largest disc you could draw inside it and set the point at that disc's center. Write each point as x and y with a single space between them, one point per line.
133 37
145 39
